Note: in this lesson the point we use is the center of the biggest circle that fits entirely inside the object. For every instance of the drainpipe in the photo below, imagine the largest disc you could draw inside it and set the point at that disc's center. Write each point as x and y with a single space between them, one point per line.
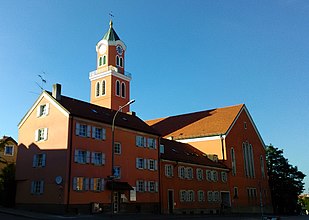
70 162
222 146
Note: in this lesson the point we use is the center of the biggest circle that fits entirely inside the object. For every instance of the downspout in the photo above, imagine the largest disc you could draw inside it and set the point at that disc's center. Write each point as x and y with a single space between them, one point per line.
70 162
159 173
222 146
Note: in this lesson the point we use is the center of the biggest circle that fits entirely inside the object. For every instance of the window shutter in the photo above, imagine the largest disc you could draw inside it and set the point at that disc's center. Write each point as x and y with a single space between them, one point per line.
145 164
102 185
32 187
137 160
86 184
91 184
35 160
45 134
75 183
36 135
103 158
92 157
93 132
76 156
145 186
88 130
137 186
136 140
148 164
41 187
144 142
43 160
157 187
88 157
156 165
47 108
77 128
103 133
38 111
155 143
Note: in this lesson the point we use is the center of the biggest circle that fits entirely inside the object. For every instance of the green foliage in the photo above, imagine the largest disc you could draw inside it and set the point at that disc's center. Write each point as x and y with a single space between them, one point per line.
285 181
7 185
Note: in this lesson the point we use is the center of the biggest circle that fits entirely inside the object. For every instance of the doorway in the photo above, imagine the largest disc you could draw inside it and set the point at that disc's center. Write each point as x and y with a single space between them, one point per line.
170 203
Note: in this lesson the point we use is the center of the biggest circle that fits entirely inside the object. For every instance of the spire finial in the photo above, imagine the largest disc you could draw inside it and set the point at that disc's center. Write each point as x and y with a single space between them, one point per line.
111 23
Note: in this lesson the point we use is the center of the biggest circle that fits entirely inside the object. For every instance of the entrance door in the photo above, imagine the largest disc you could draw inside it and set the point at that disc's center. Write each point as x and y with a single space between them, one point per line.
170 201
116 202
225 197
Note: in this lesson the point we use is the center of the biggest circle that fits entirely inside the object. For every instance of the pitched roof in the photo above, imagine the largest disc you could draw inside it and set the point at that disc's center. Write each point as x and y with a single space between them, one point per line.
197 124
181 152
111 34
5 139
101 114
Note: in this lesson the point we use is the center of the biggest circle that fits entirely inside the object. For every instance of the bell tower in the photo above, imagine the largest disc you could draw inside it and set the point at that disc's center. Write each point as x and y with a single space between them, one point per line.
110 84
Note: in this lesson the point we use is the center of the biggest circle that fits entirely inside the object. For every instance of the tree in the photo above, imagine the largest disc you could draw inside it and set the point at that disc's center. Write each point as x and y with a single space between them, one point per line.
7 185
285 180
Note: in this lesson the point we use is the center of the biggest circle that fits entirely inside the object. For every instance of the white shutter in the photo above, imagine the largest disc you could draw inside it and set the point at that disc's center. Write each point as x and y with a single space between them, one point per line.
86 184
45 133
36 135
47 109
103 133
145 164
43 160
103 158
137 160
137 187
35 160
88 130
155 143
102 185
93 132
148 164
145 143
157 187
92 157
38 111
156 165
77 128
145 186
75 183
88 157
41 187
136 142
76 156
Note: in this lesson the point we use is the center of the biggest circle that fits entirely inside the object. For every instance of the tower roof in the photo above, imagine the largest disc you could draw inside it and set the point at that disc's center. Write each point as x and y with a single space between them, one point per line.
111 34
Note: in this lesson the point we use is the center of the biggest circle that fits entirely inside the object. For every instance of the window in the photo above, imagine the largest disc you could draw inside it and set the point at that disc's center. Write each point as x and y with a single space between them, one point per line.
216 196
151 186
199 174
37 187
80 183
152 143
123 90
190 197
209 196
140 186
39 160
201 196
100 61
245 125
141 163
104 59
117 60
235 192
233 162
120 61
82 130
117 172
117 148
161 149
103 87
152 164
208 175
97 91
140 141
248 160
214 176
43 110
168 170
9 150
189 172
183 195
252 193
98 133
224 177
82 156
98 158
41 134
96 184
133 194
262 166
181 172
117 88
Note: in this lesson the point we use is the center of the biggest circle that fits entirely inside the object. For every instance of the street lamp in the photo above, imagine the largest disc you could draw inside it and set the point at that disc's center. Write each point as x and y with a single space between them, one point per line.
113 151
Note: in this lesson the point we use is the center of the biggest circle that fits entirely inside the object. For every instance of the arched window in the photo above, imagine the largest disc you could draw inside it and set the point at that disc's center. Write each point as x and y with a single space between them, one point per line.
123 90
117 60
97 92
233 159
121 62
104 59
103 87
100 61
117 88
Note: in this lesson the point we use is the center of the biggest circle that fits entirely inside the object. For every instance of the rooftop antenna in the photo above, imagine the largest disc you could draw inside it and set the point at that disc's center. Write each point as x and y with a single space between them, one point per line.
43 81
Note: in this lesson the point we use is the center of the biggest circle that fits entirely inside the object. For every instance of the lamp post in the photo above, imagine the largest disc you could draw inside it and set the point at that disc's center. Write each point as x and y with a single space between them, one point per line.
113 151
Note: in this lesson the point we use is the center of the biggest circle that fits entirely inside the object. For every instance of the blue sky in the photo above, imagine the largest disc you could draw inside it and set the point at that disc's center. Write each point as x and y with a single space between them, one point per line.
184 56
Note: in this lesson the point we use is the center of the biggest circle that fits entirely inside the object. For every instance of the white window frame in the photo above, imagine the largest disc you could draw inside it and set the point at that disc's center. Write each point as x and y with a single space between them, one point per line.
169 170
98 133
11 153
190 196
189 173
37 187
214 176
43 110
201 195
152 164
199 174
140 141
208 175
182 195
82 156
141 163
97 158
117 148
140 186
39 160
152 143
224 176
82 130
117 168
182 172
41 134
210 196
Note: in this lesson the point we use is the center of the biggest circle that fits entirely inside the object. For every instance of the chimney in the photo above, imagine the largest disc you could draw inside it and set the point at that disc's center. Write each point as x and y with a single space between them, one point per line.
57 91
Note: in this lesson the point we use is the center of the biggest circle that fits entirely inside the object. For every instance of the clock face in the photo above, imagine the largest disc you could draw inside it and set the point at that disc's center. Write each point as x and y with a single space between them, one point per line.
119 49
102 49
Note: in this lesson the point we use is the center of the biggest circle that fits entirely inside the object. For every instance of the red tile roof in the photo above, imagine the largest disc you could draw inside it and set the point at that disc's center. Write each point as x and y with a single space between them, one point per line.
101 114
181 152
197 124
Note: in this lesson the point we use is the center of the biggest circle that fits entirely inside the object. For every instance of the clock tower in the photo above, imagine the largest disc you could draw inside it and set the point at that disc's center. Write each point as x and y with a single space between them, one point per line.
110 84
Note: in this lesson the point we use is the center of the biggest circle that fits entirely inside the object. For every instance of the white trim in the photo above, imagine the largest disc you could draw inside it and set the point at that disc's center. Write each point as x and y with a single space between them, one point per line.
193 164
51 100
96 74
218 137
